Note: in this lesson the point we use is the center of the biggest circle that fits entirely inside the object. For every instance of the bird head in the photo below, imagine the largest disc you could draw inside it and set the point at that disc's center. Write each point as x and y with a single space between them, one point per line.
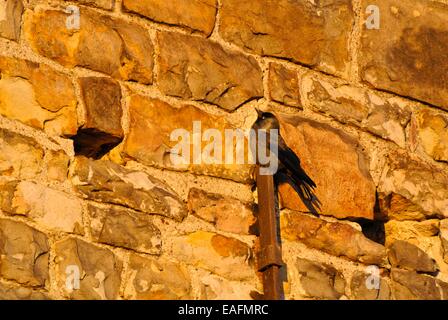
266 120
264 115
268 116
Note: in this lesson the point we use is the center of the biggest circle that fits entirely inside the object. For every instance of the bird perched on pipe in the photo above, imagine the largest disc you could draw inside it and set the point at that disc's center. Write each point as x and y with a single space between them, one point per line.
289 168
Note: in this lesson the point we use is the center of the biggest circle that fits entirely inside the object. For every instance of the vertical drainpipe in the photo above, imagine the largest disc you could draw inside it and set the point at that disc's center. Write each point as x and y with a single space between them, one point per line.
270 256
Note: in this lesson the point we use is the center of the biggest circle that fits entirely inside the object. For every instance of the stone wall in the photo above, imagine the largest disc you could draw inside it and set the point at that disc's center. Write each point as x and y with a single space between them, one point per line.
86 179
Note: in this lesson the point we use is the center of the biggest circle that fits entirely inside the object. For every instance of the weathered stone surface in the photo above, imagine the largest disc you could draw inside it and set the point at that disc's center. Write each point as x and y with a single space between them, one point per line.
57 165
227 214
197 14
444 238
221 255
395 207
9 292
443 286
128 46
48 207
100 270
152 279
124 228
344 185
408 176
217 288
7 189
430 130
108 182
10 19
409 285
102 129
385 117
335 238
407 55
272 28
24 254
284 85
360 290
405 255
20 156
388 118
104 4
199 69
320 280
337 99
407 230
46 98
152 123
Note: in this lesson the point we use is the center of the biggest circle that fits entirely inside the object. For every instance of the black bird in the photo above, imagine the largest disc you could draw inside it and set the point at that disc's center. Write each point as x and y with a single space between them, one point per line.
289 168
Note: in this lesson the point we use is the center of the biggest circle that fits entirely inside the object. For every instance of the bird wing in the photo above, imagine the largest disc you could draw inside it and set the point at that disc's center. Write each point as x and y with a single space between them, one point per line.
306 194
292 162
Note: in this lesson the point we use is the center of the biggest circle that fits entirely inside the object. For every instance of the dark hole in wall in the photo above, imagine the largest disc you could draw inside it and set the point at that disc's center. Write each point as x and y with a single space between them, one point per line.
93 143
374 229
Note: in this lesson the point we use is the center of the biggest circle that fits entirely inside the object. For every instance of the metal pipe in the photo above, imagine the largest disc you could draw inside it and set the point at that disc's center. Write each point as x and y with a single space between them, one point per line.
270 255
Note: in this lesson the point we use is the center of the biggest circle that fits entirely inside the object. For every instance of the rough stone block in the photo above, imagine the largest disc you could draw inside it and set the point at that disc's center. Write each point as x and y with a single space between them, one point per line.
312 33
128 45
407 55
152 279
99 270
150 141
10 19
193 14
46 98
221 255
200 69
335 238
320 280
227 214
48 207
107 182
24 253
344 185
123 228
